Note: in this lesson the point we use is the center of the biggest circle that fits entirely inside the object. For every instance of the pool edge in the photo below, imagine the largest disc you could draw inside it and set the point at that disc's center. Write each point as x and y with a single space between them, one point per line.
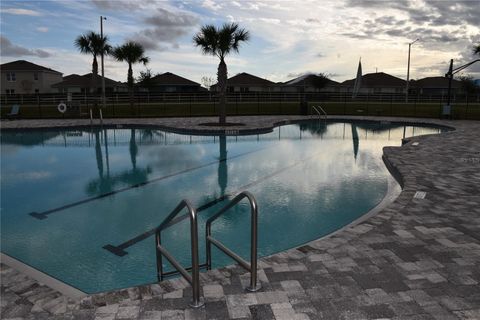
43 278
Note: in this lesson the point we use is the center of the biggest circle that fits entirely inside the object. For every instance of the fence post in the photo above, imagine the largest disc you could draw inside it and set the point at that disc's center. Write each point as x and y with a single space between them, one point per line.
258 104
236 105
39 106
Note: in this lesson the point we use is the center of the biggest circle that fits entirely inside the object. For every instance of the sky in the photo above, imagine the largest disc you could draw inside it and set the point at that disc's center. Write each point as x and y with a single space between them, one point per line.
288 38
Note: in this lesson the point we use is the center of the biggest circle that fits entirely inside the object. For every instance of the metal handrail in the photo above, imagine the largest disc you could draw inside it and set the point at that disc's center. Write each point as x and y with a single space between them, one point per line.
252 267
323 112
194 278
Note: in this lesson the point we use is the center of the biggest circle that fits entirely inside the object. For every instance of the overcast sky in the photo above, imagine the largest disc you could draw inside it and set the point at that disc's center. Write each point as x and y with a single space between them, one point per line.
289 38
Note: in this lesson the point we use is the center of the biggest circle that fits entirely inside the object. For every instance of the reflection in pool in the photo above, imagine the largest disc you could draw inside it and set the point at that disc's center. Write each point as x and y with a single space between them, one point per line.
66 194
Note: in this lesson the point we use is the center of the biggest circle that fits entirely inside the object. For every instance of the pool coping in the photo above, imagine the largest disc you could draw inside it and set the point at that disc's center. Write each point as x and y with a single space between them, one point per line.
397 173
42 277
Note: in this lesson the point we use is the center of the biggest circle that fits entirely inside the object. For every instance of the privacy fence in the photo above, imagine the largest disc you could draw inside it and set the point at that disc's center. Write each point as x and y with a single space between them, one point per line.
78 105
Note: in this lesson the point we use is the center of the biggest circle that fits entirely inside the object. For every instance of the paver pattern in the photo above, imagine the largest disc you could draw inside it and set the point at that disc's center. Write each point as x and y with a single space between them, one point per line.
416 259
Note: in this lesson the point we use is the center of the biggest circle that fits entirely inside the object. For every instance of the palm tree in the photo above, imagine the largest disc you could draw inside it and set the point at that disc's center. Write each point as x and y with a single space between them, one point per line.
130 52
220 42
92 43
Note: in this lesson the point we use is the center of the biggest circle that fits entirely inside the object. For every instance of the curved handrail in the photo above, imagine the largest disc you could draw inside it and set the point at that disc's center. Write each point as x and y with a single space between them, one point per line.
318 112
194 278
252 267
239 197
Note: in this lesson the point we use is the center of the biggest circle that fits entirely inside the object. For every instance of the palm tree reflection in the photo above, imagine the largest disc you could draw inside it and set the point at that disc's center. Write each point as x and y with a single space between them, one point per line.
222 166
105 184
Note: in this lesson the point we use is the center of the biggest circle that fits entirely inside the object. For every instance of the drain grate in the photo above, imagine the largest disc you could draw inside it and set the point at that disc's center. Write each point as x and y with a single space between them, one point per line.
420 195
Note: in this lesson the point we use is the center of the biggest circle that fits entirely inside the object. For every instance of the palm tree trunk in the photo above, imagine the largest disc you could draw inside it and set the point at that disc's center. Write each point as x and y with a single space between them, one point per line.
93 80
222 85
130 85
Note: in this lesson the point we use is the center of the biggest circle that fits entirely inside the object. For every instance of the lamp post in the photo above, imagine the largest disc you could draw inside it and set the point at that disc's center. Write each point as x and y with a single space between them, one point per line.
103 68
408 69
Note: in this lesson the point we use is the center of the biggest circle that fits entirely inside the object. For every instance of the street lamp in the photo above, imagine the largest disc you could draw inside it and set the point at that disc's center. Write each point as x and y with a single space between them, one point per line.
103 69
408 69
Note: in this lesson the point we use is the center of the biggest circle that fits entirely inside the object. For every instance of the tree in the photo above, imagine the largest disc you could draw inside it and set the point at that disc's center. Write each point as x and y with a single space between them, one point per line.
320 81
220 42
92 43
130 52
145 80
476 50
207 82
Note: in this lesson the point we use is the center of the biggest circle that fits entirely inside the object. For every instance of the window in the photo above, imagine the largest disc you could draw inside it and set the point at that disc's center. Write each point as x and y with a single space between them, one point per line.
11 77
10 91
37 90
35 76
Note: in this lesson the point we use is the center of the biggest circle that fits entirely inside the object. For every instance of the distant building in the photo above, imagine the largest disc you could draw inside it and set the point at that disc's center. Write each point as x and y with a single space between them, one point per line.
23 77
245 82
75 83
378 82
169 82
309 83
434 86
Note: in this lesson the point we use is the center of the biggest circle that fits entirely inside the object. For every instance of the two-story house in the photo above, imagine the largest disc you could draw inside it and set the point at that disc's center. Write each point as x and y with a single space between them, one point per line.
23 77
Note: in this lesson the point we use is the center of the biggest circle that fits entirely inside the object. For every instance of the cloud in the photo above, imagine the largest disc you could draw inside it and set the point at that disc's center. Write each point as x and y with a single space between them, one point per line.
119 5
8 49
42 29
21 12
165 28
212 5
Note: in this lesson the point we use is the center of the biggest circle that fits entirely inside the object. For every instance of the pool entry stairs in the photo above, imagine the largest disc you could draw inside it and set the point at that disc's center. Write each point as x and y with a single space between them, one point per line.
192 274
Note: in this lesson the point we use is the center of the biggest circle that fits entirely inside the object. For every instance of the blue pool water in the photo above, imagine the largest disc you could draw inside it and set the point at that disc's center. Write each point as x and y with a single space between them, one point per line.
309 179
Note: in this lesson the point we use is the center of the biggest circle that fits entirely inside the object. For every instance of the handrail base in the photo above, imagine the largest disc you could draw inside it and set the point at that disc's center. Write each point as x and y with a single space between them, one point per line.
254 289
198 304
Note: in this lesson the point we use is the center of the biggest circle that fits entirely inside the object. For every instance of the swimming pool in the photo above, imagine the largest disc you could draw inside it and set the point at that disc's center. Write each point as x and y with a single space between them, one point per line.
69 194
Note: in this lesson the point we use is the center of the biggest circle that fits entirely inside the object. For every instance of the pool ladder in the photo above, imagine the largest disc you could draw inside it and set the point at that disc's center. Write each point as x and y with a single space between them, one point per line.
320 112
193 278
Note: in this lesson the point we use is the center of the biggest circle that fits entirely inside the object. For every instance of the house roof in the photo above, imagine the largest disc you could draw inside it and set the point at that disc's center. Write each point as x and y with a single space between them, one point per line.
307 80
435 82
378 79
246 79
169 78
75 80
23 65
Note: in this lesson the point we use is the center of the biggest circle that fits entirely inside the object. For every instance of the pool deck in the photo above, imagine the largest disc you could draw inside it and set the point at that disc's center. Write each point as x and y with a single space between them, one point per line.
415 259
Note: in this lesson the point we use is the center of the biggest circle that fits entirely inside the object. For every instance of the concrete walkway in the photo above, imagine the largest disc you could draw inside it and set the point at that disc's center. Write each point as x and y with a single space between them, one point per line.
416 259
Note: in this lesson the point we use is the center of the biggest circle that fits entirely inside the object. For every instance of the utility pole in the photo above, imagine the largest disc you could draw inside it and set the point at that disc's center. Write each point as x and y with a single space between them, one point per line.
449 76
408 69
103 68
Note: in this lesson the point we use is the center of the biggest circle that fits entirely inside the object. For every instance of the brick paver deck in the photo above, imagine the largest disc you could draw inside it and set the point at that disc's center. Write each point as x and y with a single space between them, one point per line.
415 259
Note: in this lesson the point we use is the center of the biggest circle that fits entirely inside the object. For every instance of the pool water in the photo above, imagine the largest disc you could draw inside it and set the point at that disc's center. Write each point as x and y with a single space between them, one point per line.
66 194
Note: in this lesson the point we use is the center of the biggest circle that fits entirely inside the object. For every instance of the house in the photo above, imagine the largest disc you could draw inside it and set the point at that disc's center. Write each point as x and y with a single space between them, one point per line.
374 83
434 86
245 82
169 82
75 83
24 77
310 83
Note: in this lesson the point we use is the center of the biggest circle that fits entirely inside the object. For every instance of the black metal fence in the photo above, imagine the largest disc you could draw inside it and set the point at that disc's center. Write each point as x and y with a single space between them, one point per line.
206 104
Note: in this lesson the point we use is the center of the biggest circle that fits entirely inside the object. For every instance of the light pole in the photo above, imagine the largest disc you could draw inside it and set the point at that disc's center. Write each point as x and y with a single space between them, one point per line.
408 69
103 69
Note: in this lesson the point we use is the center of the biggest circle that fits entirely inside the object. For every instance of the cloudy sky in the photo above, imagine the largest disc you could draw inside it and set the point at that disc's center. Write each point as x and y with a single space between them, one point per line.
289 38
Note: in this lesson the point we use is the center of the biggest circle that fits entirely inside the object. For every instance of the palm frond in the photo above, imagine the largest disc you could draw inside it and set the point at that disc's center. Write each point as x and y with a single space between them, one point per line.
207 40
